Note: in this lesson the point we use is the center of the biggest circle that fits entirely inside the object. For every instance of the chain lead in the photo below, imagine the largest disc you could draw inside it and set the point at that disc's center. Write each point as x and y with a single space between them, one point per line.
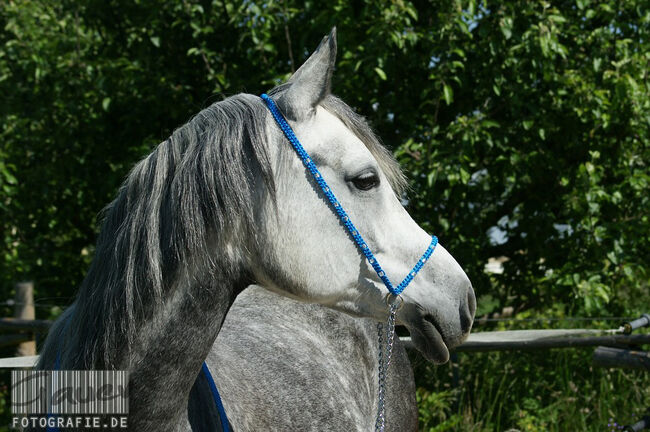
384 363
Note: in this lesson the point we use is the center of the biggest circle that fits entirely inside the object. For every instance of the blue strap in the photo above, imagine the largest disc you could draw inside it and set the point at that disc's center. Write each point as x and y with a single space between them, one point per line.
217 399
338 208
57 361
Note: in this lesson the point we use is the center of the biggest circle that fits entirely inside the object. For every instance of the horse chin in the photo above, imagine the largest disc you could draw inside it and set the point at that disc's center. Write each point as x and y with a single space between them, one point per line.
428 340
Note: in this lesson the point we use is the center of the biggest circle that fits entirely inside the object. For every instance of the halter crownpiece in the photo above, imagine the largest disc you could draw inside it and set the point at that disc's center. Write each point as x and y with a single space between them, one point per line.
338 208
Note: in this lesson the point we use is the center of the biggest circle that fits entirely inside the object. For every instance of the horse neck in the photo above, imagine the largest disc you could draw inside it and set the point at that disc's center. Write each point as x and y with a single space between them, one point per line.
170 349
166 351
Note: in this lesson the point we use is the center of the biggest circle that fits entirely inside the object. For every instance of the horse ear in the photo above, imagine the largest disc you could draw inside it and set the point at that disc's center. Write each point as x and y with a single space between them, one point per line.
310 84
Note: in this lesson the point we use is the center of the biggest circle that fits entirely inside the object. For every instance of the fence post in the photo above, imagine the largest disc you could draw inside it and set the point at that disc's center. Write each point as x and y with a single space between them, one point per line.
24 309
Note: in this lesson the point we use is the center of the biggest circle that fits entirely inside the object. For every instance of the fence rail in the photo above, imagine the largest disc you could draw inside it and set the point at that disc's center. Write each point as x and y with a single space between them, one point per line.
510 340
25 325
547 339
24 328
605 356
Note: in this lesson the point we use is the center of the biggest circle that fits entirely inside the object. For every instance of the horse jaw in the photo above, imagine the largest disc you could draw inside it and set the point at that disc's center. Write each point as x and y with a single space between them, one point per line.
439 304
437 318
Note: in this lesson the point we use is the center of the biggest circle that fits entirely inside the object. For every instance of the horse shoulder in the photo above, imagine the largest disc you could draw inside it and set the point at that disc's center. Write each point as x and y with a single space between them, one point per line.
285 365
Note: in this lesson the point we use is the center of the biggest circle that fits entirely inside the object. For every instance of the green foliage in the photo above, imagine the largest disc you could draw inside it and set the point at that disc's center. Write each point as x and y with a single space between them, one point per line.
526 119
522 125
553 391
433 408
544 140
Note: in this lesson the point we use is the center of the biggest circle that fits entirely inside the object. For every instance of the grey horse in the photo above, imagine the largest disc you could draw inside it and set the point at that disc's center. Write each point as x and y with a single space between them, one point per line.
223 203
284 365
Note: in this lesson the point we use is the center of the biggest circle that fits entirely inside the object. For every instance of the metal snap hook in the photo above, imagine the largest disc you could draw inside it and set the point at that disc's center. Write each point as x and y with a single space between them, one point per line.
392 299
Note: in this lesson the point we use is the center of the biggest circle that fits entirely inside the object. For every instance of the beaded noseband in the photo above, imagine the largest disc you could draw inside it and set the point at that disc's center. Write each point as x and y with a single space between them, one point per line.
394 291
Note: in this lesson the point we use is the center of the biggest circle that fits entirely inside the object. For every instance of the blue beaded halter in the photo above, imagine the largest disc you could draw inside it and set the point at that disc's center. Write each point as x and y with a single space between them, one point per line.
338 208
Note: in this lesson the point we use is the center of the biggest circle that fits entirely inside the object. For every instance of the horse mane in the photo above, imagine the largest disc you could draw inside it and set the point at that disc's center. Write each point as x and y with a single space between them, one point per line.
173 205
193 191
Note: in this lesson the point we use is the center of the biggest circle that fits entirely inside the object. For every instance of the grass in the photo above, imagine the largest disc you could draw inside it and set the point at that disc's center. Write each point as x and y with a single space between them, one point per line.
554 390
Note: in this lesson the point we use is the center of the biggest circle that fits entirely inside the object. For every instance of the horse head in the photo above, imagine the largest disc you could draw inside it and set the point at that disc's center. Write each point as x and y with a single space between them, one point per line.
302 248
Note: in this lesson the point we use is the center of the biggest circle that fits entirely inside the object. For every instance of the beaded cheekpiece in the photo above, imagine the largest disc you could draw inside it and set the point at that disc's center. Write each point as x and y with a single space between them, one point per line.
393 299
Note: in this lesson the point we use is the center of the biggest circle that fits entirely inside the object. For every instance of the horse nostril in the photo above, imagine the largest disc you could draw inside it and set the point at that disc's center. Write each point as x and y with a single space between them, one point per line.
471 301
467 311
465 319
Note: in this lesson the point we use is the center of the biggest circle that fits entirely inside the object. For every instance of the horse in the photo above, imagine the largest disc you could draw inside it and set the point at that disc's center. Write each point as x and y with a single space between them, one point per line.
276 359
224 203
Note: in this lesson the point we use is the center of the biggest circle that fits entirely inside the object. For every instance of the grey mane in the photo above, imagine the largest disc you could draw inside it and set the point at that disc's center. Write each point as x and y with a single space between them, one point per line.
172 206
194 191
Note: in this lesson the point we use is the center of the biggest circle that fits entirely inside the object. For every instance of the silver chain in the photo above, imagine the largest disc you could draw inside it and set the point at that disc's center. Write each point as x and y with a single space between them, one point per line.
384 363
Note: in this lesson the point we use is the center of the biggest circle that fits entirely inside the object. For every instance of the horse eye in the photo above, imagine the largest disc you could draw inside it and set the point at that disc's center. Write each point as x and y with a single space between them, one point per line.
366 181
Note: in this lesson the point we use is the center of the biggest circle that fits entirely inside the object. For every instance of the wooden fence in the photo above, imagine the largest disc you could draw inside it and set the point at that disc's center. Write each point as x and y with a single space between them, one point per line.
615 349
23 326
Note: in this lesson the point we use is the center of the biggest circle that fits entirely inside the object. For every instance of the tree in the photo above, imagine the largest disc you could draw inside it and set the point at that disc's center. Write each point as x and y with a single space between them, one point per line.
523 126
